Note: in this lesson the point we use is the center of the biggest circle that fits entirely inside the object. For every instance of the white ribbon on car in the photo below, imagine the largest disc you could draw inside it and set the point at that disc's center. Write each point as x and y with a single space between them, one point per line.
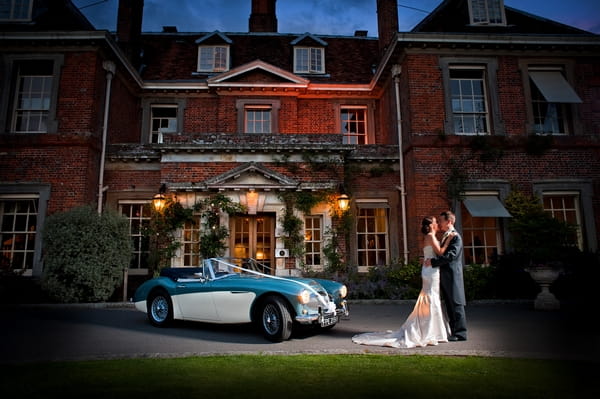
308 287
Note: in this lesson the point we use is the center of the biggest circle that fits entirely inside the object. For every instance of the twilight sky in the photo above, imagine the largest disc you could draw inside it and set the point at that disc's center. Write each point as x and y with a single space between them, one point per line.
335 17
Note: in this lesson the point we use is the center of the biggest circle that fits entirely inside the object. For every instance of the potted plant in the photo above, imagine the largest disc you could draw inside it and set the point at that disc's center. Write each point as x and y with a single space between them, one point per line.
542 240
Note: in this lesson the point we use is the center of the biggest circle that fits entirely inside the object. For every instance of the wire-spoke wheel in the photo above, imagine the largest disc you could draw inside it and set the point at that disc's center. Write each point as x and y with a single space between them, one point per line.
160 308
275 320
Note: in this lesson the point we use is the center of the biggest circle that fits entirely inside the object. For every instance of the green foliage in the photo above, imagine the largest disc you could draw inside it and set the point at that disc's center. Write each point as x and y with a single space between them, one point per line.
161 232
85 254
212 239
394 281
535 232
479 281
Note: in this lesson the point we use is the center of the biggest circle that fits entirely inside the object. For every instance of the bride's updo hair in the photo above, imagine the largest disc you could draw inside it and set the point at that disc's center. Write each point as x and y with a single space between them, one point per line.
426 225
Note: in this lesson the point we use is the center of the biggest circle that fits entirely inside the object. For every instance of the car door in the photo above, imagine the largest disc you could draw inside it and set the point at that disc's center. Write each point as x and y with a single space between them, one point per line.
195 301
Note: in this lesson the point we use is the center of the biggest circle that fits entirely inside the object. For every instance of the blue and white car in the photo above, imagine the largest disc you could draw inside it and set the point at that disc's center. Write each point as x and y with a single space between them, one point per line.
229 292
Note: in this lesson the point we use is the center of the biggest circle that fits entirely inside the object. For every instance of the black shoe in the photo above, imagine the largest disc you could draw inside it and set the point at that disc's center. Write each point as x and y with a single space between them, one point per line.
453 338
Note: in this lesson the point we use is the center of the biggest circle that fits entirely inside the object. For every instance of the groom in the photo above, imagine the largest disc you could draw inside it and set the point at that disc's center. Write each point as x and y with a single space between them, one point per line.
451 277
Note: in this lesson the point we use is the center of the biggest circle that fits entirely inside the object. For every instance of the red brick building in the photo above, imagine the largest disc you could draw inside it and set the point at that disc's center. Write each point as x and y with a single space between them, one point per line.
479 98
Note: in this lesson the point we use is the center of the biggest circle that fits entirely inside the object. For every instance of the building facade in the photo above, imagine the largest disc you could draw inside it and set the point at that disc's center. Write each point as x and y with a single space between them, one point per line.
477 100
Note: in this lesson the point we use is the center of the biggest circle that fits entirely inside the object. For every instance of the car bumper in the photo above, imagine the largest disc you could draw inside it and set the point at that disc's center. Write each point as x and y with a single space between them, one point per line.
325 319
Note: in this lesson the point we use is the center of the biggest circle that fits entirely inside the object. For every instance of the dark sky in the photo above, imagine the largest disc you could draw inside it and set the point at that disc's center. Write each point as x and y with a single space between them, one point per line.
336 17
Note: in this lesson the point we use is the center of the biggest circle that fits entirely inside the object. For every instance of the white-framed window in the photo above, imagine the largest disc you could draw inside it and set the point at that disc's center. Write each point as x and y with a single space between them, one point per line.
138 215
469 101
190 243
482 228
551 97
257 119
481 221
163 119
33 96
487 12
213 58
15 10
258 116
565 206
313 237
353 122
372 231
18 225
309 60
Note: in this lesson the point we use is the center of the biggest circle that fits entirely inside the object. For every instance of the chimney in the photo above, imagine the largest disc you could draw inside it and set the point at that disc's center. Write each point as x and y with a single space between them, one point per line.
129 28
263 17
387 22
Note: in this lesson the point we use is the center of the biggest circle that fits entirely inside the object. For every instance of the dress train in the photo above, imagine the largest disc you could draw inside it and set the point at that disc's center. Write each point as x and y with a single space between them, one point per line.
427 323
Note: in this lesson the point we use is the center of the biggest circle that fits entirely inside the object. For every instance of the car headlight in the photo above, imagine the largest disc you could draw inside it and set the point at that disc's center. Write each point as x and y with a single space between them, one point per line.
304 297
343 291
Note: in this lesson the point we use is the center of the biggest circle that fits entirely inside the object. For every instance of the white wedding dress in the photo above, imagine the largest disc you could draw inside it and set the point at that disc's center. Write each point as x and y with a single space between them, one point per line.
426 325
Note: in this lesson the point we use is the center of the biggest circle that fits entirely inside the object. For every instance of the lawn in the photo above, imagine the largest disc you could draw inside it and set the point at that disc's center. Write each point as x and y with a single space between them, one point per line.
302 376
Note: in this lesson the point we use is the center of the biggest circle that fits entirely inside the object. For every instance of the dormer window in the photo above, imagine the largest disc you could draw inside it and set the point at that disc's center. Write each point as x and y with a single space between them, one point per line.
309 60
15 10
487 12
309 54
213 58
213 52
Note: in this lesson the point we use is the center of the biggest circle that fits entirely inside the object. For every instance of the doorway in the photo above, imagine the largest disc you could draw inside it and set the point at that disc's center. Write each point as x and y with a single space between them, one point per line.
253 236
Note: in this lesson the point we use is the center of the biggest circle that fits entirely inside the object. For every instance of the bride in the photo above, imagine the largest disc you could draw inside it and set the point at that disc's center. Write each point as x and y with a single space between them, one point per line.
427 324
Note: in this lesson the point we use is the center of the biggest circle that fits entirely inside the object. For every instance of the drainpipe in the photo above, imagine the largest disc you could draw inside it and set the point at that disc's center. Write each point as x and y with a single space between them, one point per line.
110 69
396 71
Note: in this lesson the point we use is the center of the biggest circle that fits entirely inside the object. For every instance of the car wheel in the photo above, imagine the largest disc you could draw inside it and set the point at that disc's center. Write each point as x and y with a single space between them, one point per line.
275 319
160 308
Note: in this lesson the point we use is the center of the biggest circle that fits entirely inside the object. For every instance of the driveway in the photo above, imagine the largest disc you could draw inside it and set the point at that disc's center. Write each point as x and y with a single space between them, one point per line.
106 331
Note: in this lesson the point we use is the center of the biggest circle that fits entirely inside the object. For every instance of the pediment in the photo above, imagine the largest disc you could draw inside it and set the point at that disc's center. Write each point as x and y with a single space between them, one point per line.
215 37
251 175
256 73
308 39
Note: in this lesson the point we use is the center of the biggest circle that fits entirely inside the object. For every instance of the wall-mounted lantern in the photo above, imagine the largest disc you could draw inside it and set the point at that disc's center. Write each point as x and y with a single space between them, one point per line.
343 202
159 199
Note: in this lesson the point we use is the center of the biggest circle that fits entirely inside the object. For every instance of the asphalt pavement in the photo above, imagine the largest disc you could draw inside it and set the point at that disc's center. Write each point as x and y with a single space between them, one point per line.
40 333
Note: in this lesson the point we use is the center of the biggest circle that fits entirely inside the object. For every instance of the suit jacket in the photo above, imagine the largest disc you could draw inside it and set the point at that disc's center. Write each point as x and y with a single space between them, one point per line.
451 270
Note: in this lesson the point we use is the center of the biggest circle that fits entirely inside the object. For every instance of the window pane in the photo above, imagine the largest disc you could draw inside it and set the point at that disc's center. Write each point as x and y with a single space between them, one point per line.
481 238
138 219
468 101
354 125
18 221
372 236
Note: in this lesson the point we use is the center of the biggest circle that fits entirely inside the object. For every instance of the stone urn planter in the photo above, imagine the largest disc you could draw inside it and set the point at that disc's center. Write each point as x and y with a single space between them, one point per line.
544 276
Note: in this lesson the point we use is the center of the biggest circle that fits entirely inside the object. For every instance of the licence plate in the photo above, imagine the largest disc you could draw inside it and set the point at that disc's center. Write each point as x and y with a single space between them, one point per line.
329 320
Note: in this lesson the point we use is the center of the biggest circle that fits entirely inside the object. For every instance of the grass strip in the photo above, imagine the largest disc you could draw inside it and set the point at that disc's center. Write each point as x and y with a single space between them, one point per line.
302 376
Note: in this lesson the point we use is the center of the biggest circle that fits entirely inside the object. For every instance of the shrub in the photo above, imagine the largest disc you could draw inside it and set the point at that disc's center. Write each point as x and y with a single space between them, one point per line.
394 281
85 254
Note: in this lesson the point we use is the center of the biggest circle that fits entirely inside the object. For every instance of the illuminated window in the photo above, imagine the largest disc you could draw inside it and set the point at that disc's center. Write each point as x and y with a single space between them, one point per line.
190 243
312 241
18 221
372 236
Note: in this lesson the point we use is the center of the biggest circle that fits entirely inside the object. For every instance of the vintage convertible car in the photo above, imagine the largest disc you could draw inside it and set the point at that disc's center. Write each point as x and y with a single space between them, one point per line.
230 291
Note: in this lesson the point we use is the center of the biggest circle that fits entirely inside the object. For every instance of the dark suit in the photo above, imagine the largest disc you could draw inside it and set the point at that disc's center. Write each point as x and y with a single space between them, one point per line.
452 285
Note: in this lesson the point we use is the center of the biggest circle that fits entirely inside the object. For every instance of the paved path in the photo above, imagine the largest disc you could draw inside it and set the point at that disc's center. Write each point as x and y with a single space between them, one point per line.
107 331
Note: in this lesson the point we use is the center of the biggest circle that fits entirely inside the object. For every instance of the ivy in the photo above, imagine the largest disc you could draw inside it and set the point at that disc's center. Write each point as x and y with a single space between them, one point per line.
212 239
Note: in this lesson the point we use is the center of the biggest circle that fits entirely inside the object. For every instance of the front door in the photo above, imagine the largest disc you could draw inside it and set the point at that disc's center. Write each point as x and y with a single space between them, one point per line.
253 236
